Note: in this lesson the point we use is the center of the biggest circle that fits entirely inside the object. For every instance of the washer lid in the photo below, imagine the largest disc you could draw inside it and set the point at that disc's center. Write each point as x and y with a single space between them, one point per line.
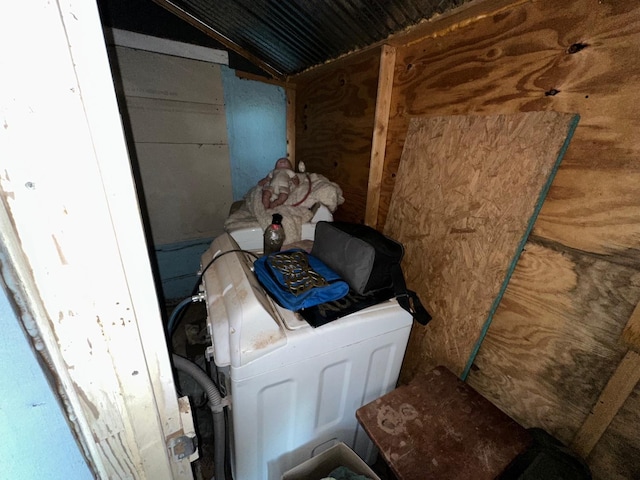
242 320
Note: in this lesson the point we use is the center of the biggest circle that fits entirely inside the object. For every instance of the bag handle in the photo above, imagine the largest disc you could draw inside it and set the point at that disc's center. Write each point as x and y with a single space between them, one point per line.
408 299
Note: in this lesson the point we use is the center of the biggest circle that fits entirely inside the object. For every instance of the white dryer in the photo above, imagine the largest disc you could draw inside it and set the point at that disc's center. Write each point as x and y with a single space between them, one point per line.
293 389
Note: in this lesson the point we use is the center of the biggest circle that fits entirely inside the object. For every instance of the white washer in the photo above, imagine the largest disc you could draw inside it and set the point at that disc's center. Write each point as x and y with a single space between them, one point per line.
294 389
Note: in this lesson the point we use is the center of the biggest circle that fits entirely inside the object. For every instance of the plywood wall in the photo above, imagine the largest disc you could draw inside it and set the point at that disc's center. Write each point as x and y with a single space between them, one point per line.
554 341
335 109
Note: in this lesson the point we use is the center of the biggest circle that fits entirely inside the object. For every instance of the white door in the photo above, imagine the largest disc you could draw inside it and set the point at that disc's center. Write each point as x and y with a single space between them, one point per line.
72 237
175 108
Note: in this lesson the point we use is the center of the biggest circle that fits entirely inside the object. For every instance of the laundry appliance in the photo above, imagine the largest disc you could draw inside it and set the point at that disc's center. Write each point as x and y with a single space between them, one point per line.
292 389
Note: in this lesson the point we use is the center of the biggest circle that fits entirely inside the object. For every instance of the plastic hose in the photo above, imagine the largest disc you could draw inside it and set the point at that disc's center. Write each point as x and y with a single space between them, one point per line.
173 319
215 404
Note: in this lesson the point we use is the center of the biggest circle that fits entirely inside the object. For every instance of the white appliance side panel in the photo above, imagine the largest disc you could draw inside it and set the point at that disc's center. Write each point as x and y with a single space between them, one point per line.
382 375
285 416
306 342
240 318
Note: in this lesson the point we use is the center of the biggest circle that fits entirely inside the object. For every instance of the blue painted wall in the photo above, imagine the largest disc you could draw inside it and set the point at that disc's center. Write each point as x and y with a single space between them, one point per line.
257 135
178 266
256 127
36 439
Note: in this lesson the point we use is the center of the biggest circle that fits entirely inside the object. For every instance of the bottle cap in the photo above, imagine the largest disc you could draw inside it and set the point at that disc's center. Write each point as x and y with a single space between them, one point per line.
277 219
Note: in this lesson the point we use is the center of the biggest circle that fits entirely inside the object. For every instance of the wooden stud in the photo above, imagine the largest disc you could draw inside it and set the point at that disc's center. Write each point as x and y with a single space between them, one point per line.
291 125
631 333
620 386
379 141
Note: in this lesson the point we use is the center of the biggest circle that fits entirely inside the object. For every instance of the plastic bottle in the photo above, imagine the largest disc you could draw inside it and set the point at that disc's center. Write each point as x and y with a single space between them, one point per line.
273 235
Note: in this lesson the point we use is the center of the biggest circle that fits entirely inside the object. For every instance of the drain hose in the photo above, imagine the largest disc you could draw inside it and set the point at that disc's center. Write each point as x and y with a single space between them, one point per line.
216 406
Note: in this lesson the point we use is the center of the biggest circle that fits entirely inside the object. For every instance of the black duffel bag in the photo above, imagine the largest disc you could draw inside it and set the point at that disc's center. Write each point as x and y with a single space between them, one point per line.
367 260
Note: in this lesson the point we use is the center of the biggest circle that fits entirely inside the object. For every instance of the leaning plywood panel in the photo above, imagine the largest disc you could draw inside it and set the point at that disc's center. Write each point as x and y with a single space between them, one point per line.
466 195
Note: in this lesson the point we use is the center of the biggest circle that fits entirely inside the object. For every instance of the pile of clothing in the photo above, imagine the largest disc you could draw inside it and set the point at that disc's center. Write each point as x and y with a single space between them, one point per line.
313 188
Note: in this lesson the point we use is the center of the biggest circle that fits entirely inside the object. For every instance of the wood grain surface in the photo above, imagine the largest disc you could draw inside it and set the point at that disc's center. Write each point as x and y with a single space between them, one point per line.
581 59
617 455
631 332
438 427
554 341
465 196
335 109
620 385
549 353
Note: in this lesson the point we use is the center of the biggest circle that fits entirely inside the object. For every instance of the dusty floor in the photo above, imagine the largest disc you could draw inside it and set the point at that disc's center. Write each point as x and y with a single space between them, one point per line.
190 340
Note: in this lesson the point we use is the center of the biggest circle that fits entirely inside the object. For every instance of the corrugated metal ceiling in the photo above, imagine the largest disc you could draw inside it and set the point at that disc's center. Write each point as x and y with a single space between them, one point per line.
289 36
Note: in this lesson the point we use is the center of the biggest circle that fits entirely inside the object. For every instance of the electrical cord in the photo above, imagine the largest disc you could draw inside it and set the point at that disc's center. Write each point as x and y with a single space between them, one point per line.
197 285
178 312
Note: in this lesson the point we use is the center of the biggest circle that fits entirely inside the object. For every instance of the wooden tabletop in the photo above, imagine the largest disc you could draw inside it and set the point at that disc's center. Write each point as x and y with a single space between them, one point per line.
438 427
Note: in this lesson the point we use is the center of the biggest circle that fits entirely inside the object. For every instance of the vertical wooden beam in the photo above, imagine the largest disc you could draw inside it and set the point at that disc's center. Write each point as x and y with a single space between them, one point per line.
379 141
631 332
620 385
291 124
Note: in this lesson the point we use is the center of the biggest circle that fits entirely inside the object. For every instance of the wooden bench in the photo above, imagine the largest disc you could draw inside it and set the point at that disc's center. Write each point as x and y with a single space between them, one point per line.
438 427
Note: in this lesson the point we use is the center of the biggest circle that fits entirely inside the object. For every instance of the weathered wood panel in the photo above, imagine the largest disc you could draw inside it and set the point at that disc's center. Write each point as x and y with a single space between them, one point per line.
176 116
631 332
335 109
620 386
467 192
73 246
617 455
554 341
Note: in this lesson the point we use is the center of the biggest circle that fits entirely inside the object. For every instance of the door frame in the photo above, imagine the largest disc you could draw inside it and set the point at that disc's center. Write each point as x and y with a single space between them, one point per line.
74 256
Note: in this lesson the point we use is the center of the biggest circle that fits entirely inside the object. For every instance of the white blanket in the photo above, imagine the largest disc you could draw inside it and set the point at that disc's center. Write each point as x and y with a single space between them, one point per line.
322 190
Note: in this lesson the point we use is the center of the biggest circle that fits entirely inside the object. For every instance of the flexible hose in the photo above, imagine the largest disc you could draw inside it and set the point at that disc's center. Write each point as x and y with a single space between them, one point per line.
174 314
215 402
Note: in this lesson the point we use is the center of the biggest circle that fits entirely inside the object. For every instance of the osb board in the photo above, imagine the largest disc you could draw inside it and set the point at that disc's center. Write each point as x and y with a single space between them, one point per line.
579 58
554 340
335 109
466 193
619 445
